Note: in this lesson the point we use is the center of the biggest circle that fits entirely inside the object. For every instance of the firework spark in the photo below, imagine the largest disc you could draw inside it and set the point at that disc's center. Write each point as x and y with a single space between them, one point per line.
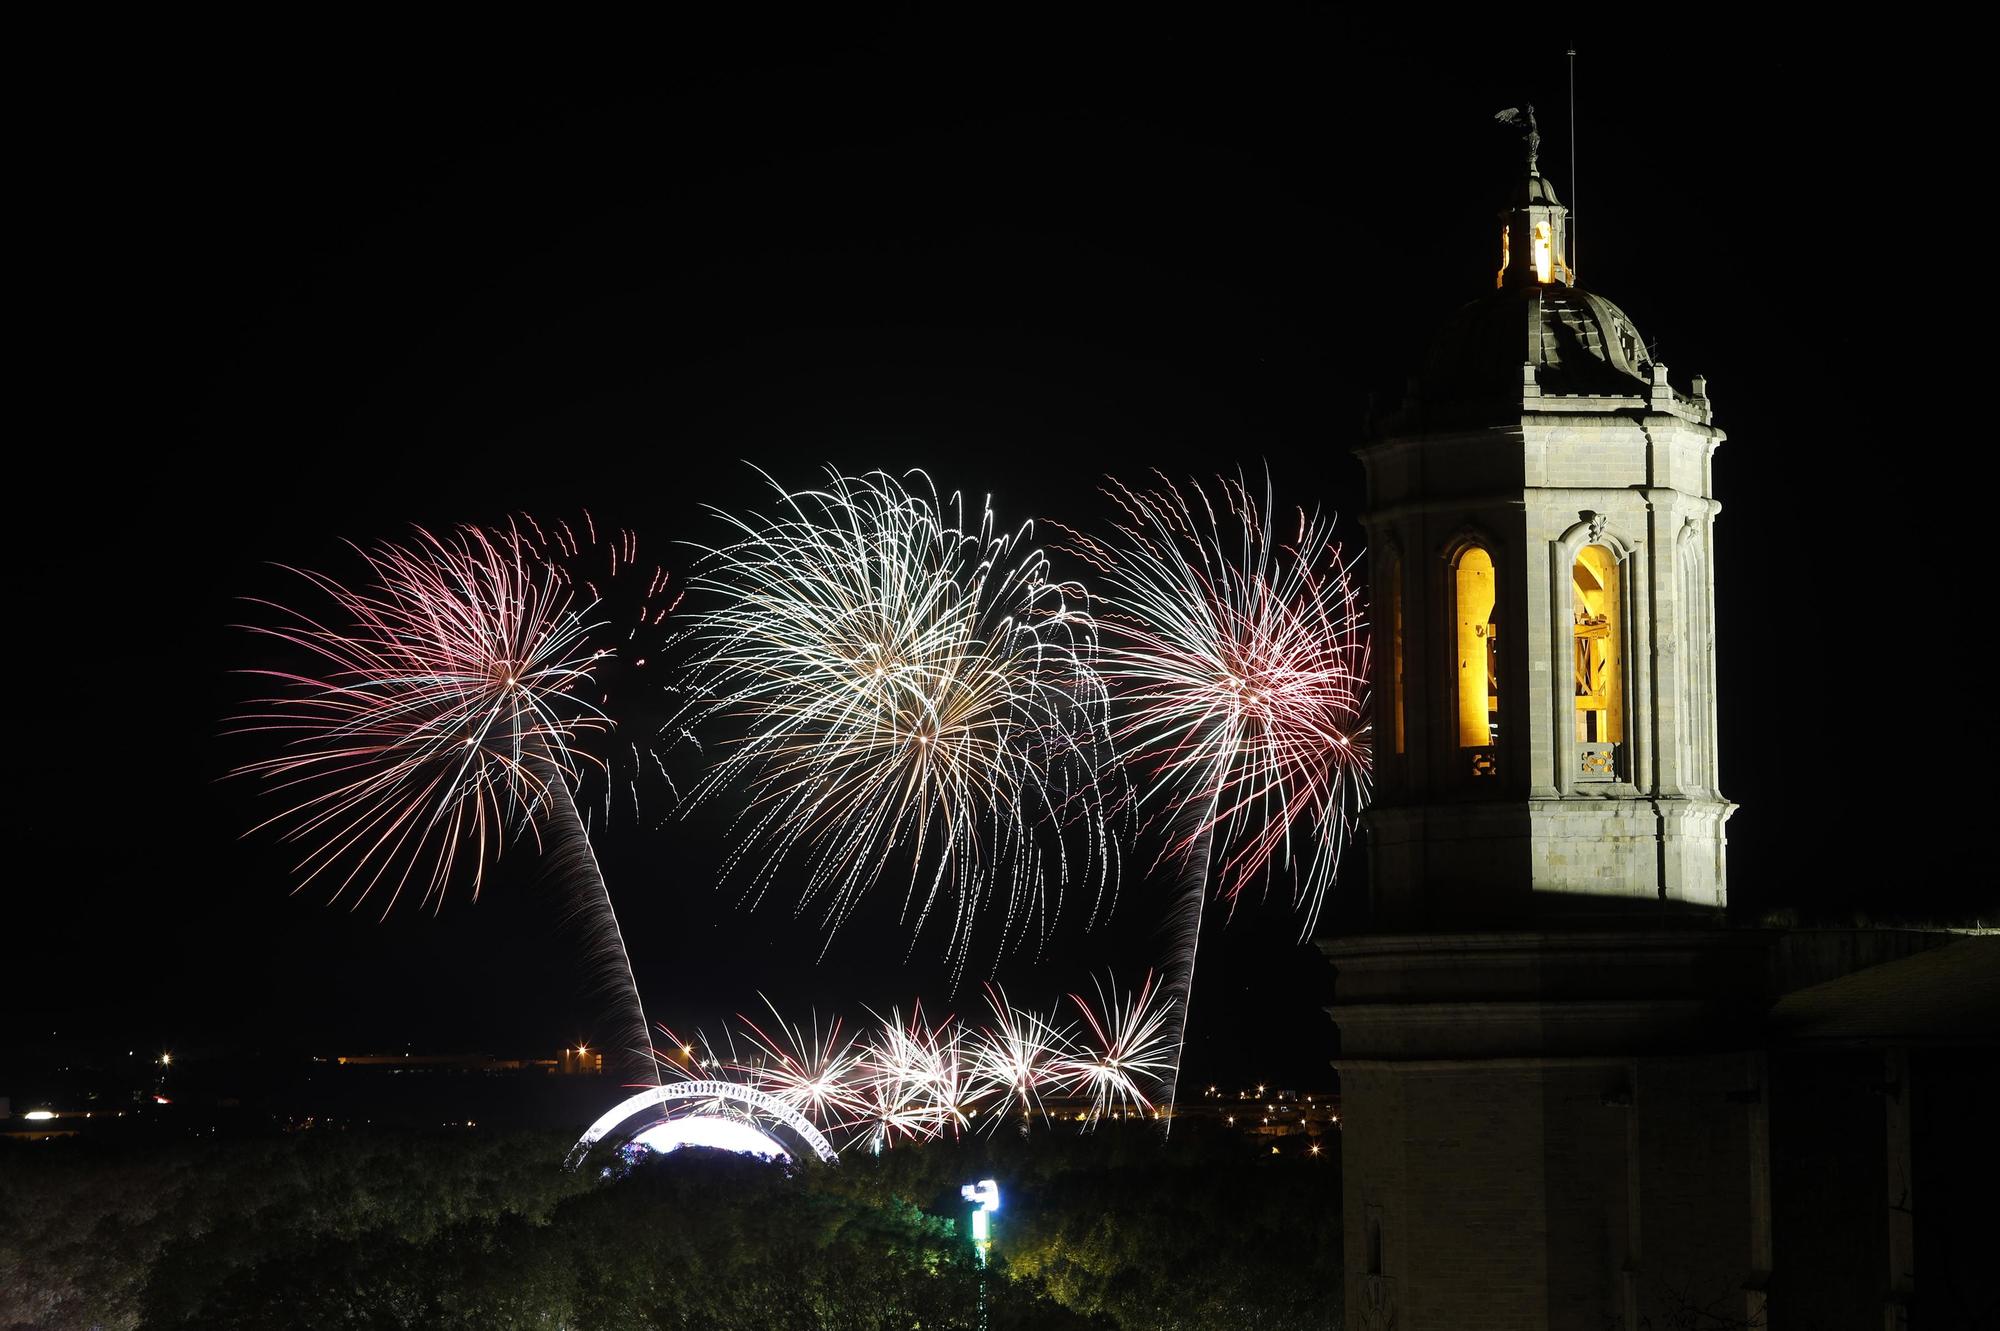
816 1074
913 1080
900 1080
441 717
443 701
1239 654
913 686
1016 1056
1131 1045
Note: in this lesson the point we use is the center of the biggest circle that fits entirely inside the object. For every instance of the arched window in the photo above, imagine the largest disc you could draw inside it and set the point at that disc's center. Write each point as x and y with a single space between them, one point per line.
1476 606
1597 625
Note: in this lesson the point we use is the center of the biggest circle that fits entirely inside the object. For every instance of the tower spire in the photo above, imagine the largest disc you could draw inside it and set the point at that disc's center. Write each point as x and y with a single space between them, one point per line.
1531 237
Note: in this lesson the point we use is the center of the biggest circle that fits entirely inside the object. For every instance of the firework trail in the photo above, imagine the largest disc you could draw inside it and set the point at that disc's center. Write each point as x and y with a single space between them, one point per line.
915 687
572 859
441 716
1239 656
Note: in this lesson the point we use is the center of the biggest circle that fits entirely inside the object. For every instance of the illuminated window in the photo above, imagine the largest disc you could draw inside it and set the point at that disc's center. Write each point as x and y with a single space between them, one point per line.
1598 675
1545 260
1477 608
1506 257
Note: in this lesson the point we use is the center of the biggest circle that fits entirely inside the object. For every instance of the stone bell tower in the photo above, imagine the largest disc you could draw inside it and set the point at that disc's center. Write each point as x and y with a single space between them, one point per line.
1548 1119
1540 527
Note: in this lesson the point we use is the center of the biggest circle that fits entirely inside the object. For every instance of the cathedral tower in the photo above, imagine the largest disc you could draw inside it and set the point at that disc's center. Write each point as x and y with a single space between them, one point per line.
1540 520
1550 1118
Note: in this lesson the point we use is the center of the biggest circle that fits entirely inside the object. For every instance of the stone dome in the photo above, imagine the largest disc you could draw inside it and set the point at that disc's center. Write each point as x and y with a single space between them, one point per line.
1577 342
1535 191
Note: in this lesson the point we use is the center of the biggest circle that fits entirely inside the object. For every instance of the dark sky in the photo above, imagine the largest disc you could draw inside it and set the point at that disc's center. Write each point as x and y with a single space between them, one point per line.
365 280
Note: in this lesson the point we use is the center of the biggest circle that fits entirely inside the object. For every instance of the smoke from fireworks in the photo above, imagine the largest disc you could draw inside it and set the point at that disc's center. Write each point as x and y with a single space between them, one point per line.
441 717
913 687
1239 656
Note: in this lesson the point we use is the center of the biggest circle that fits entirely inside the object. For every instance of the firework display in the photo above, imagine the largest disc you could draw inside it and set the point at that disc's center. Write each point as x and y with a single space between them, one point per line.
1239 654
905 1079
443 715
916 690
903 691
444 704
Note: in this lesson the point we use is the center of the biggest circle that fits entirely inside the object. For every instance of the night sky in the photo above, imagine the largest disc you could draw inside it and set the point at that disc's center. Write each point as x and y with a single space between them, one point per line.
358 283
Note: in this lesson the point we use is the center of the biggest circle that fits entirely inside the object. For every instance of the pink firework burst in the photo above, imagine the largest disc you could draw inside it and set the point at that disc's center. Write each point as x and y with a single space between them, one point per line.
437 715
1237 651
440 714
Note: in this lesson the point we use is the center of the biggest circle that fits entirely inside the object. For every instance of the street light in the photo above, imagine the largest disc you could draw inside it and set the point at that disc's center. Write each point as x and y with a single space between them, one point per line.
985 1196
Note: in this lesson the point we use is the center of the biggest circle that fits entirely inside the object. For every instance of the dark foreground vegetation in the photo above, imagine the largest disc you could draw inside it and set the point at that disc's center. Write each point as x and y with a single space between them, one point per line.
486 1230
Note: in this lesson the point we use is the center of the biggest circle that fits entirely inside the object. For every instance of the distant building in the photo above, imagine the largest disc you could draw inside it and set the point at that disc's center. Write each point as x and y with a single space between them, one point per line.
582 1062
1572 1097
412 1062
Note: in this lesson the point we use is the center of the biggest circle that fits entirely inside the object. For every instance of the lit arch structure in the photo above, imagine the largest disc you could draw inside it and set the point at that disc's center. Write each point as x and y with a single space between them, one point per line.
748 1096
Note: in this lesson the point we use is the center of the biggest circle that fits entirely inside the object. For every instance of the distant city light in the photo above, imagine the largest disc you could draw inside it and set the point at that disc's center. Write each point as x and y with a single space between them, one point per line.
38 1115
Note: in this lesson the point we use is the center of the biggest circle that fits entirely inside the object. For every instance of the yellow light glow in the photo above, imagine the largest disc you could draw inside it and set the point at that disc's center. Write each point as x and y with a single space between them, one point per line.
1545 259
1478 658
1599 677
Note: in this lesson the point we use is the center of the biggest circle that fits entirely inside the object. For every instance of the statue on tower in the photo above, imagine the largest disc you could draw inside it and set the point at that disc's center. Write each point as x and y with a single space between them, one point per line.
1525 117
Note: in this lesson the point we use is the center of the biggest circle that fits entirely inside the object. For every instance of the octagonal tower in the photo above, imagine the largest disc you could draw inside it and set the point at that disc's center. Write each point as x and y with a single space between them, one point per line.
1540 521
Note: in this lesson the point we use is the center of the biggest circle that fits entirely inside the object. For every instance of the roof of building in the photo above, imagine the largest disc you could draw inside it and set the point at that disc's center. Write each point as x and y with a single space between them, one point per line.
1577 342
1535 189
1948 993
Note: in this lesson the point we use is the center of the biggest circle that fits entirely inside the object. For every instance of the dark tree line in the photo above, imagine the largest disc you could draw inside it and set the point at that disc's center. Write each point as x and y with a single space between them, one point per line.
486 1230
